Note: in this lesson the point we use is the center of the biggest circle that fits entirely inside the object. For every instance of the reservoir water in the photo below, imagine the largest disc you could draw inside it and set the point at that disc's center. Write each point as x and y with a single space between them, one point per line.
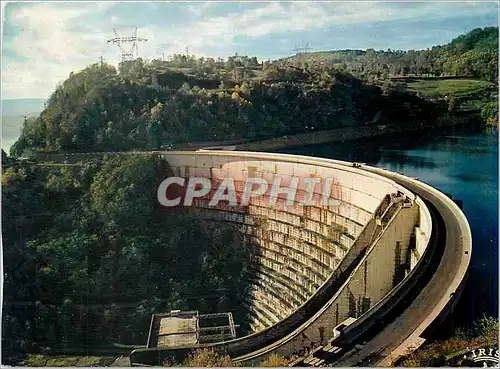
462 162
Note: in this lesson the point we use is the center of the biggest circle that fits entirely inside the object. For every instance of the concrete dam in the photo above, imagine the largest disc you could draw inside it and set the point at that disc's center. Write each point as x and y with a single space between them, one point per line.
385 251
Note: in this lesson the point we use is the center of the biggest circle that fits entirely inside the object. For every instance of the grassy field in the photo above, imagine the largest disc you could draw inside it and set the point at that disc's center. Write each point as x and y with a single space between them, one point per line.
437 87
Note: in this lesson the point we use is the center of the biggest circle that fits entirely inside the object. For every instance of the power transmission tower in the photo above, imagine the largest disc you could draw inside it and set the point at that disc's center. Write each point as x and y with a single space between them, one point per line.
299 51
102 60
134 40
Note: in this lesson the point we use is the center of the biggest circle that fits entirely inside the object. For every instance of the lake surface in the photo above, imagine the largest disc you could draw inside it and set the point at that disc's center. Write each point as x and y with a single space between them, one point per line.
462 162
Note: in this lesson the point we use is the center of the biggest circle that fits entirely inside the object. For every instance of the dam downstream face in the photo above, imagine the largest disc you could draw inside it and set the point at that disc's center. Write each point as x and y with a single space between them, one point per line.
295 248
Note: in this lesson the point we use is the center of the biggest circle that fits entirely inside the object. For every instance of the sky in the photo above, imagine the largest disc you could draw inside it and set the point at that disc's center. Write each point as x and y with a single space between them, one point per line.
43 42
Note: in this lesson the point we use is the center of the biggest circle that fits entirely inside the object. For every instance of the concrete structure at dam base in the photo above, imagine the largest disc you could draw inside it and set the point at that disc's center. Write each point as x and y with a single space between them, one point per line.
188 328
391 253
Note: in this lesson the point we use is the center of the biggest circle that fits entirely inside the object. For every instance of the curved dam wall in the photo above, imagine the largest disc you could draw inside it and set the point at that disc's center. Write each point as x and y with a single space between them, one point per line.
388 260
313 265
298 246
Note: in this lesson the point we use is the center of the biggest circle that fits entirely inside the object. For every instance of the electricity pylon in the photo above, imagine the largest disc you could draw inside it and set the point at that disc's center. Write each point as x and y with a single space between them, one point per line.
134 40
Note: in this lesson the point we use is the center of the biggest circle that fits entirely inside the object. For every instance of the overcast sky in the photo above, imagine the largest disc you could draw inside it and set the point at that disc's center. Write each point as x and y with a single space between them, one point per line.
44 41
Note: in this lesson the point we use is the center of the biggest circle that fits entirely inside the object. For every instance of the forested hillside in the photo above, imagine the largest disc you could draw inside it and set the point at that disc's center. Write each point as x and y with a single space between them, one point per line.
146 105
99 109
474 54
89 256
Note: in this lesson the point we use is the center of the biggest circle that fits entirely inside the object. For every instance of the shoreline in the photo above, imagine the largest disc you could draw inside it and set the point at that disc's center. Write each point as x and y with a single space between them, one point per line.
348 134
317 138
